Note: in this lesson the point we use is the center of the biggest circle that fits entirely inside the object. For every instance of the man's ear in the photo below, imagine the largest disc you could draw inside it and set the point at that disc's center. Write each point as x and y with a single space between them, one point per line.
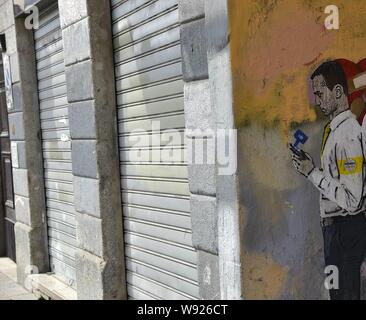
338 90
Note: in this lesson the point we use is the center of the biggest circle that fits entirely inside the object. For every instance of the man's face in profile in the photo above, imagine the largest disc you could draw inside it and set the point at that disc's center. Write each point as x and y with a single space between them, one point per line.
324 98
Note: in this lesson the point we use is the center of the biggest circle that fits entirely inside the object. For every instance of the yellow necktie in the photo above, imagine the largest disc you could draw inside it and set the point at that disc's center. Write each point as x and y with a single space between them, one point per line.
325 137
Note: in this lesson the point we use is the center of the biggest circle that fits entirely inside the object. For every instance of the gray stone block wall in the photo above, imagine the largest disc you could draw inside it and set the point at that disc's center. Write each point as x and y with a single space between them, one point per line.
24 127
229 220
87 39
200 134
6 24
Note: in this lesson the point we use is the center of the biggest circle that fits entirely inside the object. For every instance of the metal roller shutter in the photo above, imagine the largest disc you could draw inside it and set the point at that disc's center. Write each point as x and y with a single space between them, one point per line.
161 261
56 145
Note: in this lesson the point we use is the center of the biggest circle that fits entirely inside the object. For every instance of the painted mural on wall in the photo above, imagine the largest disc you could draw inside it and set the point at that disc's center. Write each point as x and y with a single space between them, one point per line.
299 96
341 177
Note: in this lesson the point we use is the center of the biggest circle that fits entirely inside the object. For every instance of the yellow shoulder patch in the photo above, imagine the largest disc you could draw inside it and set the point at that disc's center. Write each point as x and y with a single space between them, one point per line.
350 165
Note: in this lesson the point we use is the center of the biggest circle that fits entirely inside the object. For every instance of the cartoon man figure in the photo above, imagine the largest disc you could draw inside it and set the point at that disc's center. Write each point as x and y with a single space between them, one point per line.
340 180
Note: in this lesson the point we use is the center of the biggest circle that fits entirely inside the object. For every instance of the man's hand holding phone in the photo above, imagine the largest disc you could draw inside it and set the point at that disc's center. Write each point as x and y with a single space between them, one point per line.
302 161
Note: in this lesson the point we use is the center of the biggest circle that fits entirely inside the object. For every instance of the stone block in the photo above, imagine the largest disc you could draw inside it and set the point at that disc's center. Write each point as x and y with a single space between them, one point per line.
17 98
82 120
22 210
20 148
89 234
16 126
204 223
208 276
84 158
199 113
6 15
191 9
217 25
76 39
72 11
202 179
98 279
14 66
20 181
194 50
86 196
31 251
10 36
79 80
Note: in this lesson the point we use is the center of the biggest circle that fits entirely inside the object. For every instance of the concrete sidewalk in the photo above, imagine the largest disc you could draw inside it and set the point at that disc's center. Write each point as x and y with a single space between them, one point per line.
9 288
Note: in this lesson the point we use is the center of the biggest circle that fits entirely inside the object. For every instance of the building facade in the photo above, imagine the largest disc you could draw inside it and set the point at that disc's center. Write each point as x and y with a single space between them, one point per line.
144 145
104 103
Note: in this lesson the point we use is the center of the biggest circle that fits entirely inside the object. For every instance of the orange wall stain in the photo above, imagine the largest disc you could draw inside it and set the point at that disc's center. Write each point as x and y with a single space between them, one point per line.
263 278
275 44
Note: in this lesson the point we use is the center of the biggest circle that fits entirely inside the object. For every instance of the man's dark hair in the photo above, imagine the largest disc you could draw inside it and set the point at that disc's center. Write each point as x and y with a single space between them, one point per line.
333 74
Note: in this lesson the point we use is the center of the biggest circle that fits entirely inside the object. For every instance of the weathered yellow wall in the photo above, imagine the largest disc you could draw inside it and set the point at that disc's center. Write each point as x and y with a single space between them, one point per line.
275 45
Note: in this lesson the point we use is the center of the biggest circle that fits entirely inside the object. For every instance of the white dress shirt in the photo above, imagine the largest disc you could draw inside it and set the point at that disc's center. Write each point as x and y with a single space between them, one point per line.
341 179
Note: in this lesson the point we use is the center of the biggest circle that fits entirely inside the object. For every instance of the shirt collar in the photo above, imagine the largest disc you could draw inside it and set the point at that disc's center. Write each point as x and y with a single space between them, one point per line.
343 116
